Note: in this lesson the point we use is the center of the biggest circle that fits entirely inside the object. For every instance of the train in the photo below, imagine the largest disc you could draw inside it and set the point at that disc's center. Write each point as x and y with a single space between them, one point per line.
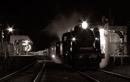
80 47
95 46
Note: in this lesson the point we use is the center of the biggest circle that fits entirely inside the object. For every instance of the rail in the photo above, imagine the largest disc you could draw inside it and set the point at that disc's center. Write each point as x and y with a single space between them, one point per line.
39 74
115 74
84 75
14 73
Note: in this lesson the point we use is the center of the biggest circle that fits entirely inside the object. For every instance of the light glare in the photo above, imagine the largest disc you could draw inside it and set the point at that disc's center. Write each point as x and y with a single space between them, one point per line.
84 25
10 29
73 39
53 56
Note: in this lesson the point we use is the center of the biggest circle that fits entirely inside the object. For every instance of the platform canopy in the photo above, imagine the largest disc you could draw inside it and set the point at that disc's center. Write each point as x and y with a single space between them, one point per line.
13 38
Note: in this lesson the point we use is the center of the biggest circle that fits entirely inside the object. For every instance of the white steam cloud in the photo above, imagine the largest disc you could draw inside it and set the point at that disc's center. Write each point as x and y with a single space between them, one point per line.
62 23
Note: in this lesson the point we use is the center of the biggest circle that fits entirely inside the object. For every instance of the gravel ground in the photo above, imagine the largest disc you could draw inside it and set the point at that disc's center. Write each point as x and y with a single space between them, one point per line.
122 69
118 68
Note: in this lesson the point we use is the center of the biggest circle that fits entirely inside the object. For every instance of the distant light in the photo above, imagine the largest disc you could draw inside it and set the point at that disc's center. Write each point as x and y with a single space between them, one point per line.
96 38
84 25
53 56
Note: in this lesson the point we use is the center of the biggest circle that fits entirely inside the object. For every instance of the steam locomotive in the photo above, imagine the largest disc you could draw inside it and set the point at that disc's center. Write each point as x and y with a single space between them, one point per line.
80 47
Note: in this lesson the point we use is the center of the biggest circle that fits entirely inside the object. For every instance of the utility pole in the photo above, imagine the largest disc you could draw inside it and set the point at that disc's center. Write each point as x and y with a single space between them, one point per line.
2 36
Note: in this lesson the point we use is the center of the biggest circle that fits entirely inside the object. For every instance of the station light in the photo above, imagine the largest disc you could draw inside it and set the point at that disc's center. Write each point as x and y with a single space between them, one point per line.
10 29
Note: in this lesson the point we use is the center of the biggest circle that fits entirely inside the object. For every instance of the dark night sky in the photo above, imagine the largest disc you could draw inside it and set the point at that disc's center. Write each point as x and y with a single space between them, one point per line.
45 21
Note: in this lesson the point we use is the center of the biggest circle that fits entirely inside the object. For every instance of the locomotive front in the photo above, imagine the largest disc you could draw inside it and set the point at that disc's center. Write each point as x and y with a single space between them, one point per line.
81 47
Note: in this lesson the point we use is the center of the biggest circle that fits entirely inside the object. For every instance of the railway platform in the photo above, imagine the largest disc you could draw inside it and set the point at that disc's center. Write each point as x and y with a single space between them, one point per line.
121 69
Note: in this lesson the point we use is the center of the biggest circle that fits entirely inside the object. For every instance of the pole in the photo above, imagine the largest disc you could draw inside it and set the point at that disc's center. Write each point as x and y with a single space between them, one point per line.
2 36
1 39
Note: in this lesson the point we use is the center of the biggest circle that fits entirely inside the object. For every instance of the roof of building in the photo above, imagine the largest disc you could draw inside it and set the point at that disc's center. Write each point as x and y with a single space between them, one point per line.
13 38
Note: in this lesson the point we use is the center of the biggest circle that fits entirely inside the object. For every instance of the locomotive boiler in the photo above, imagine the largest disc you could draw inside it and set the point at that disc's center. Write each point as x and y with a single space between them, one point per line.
80 47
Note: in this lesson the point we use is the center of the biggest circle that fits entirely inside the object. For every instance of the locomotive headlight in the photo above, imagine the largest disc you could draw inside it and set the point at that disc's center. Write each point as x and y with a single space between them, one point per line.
84 25
73 39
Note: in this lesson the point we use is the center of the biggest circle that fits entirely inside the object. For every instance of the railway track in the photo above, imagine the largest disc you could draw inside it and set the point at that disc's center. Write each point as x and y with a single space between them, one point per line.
99 75
62 73
27 74
104 76
59 73
39 75
52 72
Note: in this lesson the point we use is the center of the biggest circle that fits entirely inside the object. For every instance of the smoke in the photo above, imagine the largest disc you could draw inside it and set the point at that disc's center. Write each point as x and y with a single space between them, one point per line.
62 23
